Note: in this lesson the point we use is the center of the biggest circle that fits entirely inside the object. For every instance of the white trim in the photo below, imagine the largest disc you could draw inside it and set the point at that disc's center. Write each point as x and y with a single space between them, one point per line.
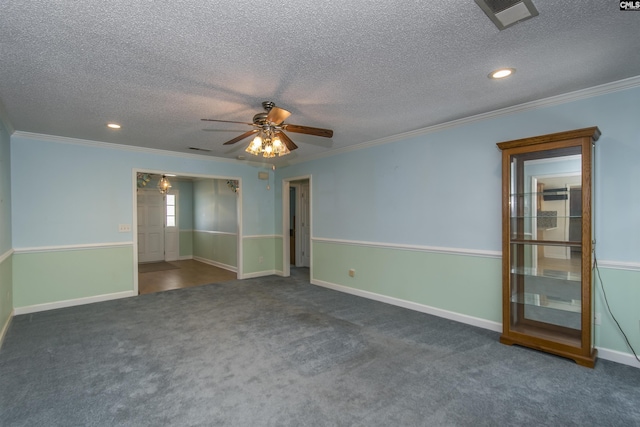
213 232
263 236
286 255
603 353
178 174
137 149
262 274
134 172
72 302
619 265
462 318
286 224
591 92
216 264
417 248
6 255
5 327
78 247
185 257
629 83
618 357
134 229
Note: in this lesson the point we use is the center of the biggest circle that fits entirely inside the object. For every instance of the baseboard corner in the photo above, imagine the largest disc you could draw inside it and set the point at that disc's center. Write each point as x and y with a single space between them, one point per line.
5 327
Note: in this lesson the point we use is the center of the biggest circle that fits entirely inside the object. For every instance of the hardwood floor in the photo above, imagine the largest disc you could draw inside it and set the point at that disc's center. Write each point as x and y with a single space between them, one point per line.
187 274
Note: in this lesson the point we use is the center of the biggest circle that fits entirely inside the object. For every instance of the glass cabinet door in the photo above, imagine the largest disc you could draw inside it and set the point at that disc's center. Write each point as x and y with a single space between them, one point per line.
546 243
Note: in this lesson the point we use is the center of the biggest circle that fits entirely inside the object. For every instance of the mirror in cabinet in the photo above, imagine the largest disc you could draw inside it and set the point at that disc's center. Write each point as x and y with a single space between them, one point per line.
547 243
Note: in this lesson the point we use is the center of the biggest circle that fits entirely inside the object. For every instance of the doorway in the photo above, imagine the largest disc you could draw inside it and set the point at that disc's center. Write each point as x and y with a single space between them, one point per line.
182 238
297 223
299 226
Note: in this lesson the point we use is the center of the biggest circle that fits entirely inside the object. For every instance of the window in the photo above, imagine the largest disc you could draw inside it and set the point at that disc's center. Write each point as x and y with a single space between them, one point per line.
170 202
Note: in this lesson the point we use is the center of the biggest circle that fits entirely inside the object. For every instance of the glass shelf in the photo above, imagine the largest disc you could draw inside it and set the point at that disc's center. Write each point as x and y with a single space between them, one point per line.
563 192
573 276
544 216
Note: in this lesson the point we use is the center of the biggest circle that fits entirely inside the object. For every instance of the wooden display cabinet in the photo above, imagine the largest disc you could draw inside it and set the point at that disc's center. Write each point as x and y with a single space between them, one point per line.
547 246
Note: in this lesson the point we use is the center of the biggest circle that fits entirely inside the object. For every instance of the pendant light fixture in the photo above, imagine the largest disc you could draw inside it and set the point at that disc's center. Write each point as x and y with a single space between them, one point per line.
164 185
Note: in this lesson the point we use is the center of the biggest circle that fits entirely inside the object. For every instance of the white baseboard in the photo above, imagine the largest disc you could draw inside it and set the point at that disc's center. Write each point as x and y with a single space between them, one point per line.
603 353
5 327
462 318
216 264
72 302
618 357
261 274
185 257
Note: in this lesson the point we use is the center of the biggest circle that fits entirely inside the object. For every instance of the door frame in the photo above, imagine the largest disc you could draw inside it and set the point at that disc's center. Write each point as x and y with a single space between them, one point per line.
286 184
134 225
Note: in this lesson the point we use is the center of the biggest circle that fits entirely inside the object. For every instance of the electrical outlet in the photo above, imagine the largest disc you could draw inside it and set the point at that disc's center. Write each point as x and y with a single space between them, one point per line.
261 259
352 273
597 319
124 228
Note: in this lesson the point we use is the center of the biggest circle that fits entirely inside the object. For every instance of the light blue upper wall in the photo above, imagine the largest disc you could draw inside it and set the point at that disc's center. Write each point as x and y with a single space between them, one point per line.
77 193
443 188
5 189
215 206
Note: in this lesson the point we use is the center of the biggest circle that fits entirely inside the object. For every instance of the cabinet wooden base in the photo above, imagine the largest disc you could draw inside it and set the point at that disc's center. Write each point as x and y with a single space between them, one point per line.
586 361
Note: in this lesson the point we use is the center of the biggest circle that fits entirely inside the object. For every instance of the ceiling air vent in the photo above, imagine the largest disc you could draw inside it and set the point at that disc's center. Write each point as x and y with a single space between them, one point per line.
505 13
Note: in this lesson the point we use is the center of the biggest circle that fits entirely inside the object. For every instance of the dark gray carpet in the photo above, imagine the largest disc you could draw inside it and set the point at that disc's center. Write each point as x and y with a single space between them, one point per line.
281 352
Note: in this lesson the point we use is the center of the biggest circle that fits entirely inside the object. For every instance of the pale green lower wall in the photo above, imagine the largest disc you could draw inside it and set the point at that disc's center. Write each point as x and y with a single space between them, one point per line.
468 285
262 254
219 248
53 276
623 293
6 291
186 244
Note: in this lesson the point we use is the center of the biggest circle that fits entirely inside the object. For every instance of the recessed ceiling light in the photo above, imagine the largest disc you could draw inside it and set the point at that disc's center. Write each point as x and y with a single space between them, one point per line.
113 125
501 73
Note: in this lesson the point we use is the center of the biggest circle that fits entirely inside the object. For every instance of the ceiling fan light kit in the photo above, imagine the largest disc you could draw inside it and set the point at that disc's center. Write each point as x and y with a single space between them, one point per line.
269 144
271 140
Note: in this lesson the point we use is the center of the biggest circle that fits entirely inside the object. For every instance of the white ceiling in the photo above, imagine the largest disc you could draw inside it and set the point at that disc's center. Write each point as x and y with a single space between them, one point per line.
366 69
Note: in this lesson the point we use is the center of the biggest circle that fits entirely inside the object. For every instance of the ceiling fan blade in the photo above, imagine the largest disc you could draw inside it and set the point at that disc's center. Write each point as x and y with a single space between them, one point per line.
222 130
287 141
241 137
277 115
325 133
226 121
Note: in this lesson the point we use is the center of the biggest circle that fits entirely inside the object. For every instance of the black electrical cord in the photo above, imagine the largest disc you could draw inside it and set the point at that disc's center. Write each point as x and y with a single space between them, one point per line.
595 264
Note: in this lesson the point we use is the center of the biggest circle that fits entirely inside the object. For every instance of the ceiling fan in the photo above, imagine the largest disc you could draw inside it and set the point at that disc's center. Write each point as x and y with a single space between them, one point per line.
270 126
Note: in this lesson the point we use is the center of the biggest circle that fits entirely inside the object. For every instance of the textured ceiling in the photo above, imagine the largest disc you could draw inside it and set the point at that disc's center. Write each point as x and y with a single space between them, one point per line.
366 69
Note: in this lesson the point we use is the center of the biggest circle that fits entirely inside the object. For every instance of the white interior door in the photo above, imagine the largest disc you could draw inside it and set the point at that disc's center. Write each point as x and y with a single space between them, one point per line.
305 227
151 213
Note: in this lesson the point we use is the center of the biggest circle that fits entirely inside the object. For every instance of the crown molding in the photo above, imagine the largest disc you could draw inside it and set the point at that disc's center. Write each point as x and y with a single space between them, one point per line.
122 147
617 86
